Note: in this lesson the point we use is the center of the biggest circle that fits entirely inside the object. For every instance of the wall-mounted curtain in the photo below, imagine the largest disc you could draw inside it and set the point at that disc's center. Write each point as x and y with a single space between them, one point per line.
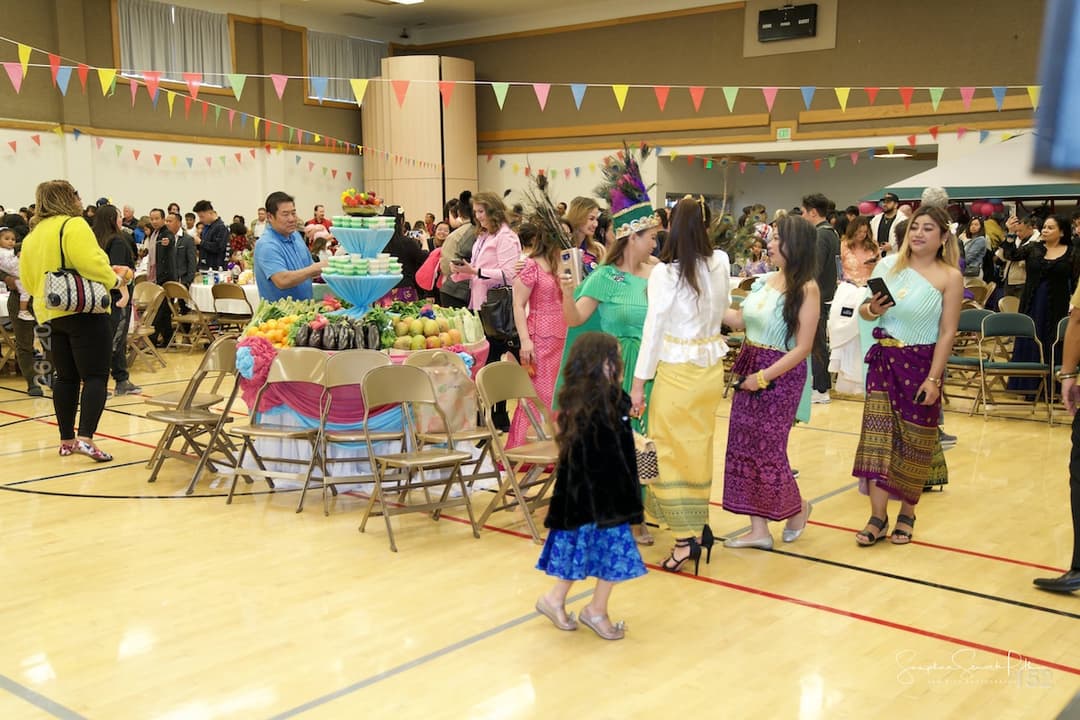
174 40
339 56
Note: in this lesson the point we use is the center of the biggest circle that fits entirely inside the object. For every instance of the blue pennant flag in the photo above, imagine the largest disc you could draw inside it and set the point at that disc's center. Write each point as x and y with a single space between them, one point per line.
63 77
579 93
808 95
318 86
189 161
983 134
999 96
77 133
297 159
870 153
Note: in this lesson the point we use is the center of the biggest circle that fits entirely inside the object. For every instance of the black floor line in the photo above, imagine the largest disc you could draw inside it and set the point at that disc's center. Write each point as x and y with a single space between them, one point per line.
196 496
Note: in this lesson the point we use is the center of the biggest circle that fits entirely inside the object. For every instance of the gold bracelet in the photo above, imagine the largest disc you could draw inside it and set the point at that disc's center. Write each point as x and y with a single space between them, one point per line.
873 315
761 381
936 381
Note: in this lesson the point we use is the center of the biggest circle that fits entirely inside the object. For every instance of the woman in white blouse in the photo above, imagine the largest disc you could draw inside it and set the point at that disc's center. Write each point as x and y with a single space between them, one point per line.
682 348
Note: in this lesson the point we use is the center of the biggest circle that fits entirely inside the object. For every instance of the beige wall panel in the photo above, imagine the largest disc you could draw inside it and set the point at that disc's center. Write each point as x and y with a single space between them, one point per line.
459 128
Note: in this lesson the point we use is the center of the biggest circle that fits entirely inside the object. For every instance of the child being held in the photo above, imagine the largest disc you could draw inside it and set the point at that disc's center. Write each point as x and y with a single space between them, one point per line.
597 496
9 263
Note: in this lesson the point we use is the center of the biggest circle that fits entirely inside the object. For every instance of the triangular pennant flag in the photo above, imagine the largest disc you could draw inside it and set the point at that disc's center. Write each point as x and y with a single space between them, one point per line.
316 138
578 91
348 175
708 164
870 152
983 134
502 163
134 89
934 131
620 94
36 139
842 94
696 94
761 167
154 99
782 166
251 152
267 148
318 86
238 157
890 147
187 107
297 158
662 92
236 82
193 82
690 159
112 87
966 94
854 157
84 72
205 109
152 79
99 141
54 67
333 174
257 121
77 133
795 166
243 120
119 149
232 117
310 166
961 132
807 95
999 96
817 163
770 96
542 90
871 94
500 89
1007 136
446 90
217 113
832 161
157 159
905 96
63 77
24 57
222 159
209 161
911 140
292 134
359 88
324 170
935 96
15 75
189 161
742 168
401 87
577 172
730 93
170 98
136 153
1033 94
13 143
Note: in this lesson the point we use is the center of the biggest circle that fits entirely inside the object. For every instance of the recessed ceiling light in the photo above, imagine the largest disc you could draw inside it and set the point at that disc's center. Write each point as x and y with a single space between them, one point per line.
407 2
892 155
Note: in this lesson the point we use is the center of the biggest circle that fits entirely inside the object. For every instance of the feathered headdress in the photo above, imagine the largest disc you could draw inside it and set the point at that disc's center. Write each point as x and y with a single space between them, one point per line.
541 210
627 196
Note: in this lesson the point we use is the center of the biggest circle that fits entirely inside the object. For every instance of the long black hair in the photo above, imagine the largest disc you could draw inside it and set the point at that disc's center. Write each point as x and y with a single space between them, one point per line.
798 245
688 242
591 395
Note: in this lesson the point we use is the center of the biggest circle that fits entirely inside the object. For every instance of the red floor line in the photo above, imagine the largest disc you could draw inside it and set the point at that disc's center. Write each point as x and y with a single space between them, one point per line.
100 434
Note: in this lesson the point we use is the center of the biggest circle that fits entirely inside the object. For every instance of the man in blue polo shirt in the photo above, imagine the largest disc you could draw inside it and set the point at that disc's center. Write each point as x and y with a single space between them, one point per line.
283 266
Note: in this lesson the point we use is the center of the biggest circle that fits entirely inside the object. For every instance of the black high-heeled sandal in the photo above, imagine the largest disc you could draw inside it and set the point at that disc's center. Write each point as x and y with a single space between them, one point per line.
707 541
882 527
903 537
695 555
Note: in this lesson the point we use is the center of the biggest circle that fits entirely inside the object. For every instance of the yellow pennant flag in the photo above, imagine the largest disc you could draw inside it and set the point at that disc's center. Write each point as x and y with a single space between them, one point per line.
783 167
592 167
1033 93
842 96
890 147
106 76
170 97
515 168
24 57
172 159
620 94
359 87
257 125
318 138
59 130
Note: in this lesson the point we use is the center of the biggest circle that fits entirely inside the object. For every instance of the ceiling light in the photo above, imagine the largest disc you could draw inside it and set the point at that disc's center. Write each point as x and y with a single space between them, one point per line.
893 155
407 2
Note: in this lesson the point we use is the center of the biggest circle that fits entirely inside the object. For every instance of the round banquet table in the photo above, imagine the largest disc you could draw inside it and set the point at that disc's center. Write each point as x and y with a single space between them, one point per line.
203 295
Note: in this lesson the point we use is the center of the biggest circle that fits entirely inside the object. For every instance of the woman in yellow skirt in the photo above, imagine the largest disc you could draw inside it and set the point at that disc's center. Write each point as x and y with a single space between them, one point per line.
682 348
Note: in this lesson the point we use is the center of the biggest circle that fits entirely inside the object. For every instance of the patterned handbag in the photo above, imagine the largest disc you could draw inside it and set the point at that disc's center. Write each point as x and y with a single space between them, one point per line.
68 291
648 467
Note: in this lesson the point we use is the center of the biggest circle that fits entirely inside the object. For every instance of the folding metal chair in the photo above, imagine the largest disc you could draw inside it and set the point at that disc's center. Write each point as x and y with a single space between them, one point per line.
1009 303
146 299
191 421
8 349
306 365
999 331
409 387
190 324
229 295
962 367
499 382
345 373
1055 361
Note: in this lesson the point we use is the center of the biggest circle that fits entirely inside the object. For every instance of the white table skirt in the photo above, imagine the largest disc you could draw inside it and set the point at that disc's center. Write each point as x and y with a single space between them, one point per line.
203 295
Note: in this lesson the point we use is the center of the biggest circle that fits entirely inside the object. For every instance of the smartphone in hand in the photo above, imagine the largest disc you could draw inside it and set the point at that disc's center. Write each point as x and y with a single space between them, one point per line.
570 264
878 287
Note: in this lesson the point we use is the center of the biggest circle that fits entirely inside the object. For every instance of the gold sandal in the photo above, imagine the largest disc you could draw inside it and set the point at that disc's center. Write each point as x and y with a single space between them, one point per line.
552 614
618 631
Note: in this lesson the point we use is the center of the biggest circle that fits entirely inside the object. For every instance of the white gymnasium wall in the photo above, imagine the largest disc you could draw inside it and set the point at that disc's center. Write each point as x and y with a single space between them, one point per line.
235 187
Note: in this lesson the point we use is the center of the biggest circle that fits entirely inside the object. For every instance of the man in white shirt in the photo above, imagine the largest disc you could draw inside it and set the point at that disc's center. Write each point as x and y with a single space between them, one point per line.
881 225
259 225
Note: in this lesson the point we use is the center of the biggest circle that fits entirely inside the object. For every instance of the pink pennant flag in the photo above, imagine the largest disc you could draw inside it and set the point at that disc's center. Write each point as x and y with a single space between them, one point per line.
152 79
905 96
911 140
446 89
310 166
134 89
187 107
209 161
15 75
12 143
36 139
855 158
662 95
232 116
193 82
99 141
934 132
742 168
542 90
252 152
54 67
84 72
770 96
136 153
238 157
966 94
279 84
333 174
696 94
348 175
871 94
960 132
157 159
566 172
401 87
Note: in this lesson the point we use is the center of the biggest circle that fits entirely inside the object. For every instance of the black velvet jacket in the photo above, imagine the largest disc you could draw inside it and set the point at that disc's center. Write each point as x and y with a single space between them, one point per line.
599 482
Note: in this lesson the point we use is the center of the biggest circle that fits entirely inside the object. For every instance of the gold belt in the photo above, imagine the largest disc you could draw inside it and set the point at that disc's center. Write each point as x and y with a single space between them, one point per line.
693 341
891 342
763 346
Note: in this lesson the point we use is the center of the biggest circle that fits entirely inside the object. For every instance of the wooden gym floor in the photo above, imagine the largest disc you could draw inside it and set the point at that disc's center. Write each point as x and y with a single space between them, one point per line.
127 600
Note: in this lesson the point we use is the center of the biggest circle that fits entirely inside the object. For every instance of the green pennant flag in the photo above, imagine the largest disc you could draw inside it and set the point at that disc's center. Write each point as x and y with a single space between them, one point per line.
832 161
324 170
292 134
935 96
730 94
221 158
119 149
217 113
500 89
236 82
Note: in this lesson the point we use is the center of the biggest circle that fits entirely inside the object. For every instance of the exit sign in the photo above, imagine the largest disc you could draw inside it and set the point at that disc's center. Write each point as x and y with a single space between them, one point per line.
783 133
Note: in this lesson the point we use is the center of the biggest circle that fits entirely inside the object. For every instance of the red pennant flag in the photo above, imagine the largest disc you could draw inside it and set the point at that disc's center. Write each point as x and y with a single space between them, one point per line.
817 163
187 107
237 156
770 96
100 142
252 152
871 94
310 166
348 175
855 157
36 139
136 153
267 148
446 89
905 96
193 82
696 94
54 66
960 132
690 159
911 140
205 109
157 159
966 95
489 156
84 71
209 162
566 172
12 144
333 174
528 171
661 95
934 132
152 79
401 87
795 166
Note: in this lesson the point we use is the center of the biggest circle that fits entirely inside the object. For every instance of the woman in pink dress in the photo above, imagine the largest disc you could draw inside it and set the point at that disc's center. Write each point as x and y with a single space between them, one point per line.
859 252
540 324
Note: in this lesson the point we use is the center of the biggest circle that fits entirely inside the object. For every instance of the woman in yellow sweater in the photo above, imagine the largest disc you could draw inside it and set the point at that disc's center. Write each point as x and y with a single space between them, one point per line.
77 344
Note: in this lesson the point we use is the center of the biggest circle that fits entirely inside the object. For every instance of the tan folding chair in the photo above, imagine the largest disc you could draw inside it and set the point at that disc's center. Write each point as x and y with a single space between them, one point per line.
747 283
190 324
499 382
146 300
347 370
226 294
435 362
1009 303
291 365
140 279
408 388
190 421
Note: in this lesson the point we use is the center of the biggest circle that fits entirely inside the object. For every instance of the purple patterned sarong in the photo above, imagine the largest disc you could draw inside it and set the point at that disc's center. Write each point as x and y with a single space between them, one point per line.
899 448
757 474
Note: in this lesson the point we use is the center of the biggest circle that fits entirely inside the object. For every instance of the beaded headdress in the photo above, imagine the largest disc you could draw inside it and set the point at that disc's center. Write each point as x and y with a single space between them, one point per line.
628 198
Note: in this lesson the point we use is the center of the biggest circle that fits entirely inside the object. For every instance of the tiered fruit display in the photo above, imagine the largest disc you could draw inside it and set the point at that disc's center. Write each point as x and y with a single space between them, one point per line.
286 323
359 202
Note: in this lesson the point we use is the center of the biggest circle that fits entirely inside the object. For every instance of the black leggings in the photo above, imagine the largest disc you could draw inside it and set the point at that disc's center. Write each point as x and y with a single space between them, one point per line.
1074 490
80 348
